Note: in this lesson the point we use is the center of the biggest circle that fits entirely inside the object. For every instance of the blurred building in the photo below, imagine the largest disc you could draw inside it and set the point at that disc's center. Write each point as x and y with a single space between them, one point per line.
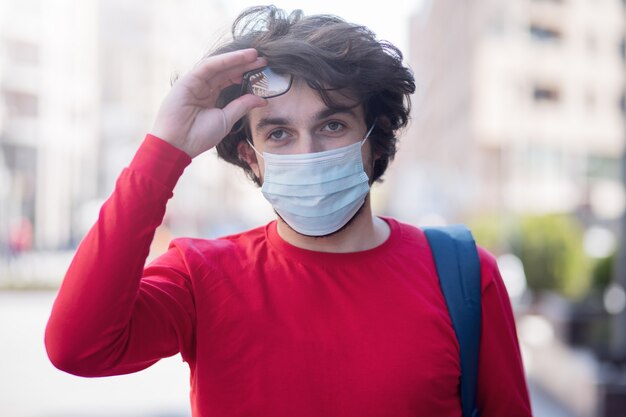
48 119
520 108
80 83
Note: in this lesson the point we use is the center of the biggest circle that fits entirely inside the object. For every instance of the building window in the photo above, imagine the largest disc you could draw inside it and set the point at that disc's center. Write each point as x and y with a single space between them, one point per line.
542 93
590 100
603 167
592 43
20 104
544 33
22 52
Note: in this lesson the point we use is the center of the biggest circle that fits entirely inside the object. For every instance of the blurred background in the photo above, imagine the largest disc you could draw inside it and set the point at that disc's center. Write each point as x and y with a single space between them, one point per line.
518 130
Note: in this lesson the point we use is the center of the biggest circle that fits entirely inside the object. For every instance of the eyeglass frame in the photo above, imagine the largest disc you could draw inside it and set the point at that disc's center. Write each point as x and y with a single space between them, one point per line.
245 84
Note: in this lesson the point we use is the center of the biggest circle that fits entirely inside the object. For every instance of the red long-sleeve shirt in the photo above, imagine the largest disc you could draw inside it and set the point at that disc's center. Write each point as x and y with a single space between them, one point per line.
269 329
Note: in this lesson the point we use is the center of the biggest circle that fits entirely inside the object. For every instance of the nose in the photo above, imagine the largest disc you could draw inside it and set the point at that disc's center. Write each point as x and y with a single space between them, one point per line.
307 143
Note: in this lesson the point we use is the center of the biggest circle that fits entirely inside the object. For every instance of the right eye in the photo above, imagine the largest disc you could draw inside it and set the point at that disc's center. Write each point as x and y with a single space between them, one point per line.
278 135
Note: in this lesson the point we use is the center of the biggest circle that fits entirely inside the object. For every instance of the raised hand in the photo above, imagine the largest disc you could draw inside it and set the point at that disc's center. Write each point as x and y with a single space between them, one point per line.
188 118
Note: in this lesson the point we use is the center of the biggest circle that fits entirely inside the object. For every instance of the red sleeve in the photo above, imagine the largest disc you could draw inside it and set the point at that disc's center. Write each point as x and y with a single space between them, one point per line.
106 319
502 389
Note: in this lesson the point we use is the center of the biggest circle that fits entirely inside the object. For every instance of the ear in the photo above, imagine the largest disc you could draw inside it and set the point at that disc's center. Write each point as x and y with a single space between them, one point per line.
247 154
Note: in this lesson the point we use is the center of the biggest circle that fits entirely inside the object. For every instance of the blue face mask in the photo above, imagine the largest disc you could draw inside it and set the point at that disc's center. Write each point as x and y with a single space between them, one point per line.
316 193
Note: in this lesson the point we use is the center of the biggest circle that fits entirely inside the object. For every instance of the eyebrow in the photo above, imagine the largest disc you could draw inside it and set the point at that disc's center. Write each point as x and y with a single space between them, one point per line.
330 112
270 121
322 114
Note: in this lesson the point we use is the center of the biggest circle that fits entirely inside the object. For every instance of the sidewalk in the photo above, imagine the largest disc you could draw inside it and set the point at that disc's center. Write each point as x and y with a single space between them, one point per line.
35 269
543 404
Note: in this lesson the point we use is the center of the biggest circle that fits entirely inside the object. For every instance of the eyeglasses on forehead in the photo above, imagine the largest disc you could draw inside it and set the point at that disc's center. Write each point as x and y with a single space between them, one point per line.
265 83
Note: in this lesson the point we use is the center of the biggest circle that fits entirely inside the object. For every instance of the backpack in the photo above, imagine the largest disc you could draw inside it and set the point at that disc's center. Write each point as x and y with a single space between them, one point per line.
458 267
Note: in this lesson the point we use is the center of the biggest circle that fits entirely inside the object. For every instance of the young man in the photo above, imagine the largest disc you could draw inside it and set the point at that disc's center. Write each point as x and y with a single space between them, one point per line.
327 311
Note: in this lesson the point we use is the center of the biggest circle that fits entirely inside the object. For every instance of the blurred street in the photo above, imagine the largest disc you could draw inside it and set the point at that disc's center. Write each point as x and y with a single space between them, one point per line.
544 405
31 387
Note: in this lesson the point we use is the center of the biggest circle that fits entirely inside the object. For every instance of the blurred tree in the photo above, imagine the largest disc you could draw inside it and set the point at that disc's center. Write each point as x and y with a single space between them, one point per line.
602 273
551 249
489 233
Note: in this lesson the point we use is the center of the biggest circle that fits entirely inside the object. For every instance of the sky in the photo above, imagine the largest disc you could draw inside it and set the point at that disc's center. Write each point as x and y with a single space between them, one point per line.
389 19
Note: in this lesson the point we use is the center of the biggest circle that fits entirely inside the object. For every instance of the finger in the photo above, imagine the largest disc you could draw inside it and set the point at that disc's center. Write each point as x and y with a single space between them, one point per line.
212 65
234 75
238 108
211 86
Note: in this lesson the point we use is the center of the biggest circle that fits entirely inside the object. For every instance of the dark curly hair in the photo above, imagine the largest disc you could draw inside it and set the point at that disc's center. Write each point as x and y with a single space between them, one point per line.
330 54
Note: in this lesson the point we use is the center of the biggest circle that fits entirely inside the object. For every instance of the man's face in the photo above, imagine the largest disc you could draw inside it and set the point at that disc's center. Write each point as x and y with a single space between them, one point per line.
300 122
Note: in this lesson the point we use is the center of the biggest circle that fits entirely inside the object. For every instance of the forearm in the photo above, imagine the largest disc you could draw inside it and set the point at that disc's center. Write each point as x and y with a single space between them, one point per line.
90 320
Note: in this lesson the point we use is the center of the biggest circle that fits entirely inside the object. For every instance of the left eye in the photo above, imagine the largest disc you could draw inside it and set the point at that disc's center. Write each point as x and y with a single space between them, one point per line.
333 126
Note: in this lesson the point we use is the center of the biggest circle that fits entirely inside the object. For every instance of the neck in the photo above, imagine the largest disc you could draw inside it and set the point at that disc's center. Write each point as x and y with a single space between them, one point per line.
364 232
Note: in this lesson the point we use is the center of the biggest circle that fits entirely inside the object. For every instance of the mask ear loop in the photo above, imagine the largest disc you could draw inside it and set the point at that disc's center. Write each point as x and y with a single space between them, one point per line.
367 135
255 150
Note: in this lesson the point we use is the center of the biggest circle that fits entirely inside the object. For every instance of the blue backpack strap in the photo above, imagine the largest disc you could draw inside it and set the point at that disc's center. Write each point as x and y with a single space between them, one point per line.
458 267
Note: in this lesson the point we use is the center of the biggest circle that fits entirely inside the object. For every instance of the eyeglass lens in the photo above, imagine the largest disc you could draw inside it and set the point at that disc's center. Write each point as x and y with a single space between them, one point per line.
266 83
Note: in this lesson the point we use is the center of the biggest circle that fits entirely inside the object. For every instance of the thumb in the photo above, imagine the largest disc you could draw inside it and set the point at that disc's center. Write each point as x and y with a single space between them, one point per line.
238 108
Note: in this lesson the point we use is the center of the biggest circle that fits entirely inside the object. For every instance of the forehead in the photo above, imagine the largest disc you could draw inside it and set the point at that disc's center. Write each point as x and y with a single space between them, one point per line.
303 103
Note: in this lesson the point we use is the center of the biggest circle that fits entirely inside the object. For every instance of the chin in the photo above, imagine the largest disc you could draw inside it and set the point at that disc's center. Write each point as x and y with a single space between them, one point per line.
336 232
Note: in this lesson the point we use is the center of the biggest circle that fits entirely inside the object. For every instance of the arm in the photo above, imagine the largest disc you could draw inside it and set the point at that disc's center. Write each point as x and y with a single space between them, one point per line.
106 318
502 389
